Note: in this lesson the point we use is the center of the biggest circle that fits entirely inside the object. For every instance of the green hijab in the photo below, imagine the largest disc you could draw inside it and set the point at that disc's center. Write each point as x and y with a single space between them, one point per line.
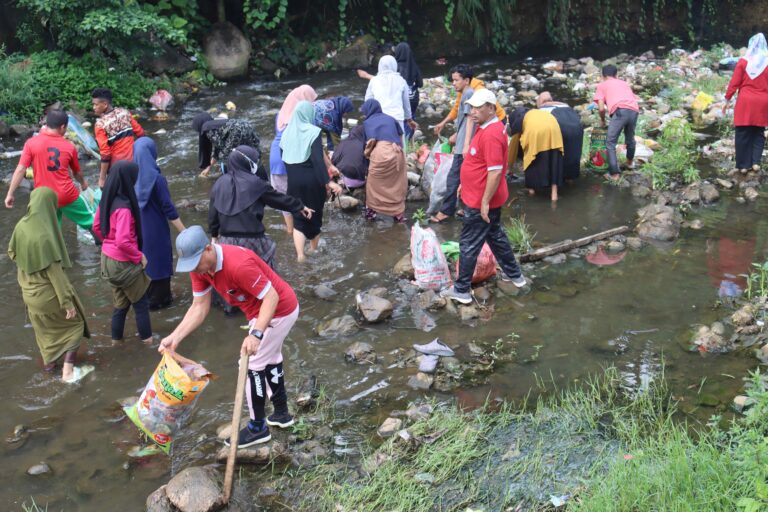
36 241
299 134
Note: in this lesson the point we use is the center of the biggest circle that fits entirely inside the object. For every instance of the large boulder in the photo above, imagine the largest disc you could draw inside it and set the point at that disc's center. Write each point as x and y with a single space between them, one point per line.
374 309
227 51
355 55
659 222
164 58
195 489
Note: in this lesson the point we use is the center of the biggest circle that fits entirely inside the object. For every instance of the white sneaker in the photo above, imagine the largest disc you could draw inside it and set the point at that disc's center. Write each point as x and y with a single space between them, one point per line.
520 281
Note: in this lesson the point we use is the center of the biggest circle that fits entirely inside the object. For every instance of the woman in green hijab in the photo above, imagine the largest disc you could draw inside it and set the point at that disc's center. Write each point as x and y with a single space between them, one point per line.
54 309
308 177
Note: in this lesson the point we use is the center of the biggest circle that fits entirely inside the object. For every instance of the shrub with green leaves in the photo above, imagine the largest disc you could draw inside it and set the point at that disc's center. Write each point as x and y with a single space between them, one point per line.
674 162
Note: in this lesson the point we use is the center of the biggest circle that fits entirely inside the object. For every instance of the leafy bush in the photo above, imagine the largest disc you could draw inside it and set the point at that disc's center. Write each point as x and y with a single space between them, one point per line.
26 86
675 161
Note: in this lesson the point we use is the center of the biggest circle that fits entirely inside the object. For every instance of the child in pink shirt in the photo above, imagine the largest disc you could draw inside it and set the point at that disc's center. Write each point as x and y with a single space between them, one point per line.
623 108
118 224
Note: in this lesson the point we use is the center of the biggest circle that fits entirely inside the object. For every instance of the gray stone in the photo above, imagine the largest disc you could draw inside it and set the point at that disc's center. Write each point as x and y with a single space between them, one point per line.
404 267
741 403
348 203
744 316
615 246
158 501
389 427
4 129
659 222
355 55
21 130
416 194
323 291
260 454
378 291
641 191
430 300
360 352
195 489
165 59
634 243
341 326
227 51
556 259
481 293
691 193
418 412
467 313
39 469
709 194
421 381
374 309
750 193
726 184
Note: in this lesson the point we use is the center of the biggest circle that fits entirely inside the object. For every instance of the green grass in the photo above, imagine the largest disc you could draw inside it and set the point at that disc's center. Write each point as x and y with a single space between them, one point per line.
34 507
674 162
519 234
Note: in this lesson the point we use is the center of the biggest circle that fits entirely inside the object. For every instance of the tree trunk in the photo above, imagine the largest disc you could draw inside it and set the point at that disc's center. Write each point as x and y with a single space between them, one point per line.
567 245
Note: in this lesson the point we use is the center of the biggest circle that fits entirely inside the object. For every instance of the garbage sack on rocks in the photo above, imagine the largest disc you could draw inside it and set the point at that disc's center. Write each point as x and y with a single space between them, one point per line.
598 154
702 101
168 398
92 198
443 163
485 267
161 100
428 173
429 266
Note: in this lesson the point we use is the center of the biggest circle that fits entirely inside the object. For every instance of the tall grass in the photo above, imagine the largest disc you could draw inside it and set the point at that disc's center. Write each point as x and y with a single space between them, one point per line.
519 234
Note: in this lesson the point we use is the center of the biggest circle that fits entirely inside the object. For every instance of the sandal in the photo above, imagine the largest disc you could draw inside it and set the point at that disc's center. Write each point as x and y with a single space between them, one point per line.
78 372
435 219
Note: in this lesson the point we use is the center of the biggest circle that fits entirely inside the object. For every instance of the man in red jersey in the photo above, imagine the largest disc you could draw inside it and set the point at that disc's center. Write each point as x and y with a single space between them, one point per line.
115 131
484 191
269 303
51 157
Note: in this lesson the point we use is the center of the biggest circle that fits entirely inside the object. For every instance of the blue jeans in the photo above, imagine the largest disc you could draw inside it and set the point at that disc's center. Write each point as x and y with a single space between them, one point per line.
452 186
141 311
474 234
624 120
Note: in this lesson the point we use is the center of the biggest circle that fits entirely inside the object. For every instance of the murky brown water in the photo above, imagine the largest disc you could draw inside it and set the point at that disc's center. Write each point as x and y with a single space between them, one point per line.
578 315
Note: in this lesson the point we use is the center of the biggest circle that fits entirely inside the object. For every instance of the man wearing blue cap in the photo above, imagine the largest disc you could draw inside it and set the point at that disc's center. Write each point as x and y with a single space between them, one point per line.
269 303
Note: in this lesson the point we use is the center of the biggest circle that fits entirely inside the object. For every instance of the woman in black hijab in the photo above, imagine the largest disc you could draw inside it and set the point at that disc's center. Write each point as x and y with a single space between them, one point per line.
218 137
118 224
409 70
349 157
236 212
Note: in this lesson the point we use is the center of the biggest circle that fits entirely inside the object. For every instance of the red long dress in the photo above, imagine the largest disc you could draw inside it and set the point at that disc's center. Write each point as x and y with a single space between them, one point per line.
752 103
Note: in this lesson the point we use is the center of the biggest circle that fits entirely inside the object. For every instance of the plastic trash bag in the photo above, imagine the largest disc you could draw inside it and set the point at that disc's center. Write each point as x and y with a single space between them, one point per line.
161 100
598 153
485 267
168 398
81 137
439 189
702 101
429 265
429 169
92 198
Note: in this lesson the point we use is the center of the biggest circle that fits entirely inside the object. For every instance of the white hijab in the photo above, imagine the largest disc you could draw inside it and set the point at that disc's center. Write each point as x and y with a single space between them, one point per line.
389 89
757 55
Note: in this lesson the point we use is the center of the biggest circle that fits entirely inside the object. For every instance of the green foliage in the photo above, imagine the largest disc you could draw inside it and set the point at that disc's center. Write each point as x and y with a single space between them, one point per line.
487 20
675 161
265 14
757 281
519 234
419 216
26 86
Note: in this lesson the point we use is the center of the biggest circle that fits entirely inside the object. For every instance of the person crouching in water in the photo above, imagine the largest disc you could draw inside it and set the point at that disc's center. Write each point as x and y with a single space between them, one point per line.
270 305
52 303
118 224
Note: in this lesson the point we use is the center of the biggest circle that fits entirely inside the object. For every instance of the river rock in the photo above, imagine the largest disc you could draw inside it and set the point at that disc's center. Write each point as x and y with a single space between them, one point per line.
404 267
323 291
428 299
195 489
354 55
416 194
389 427
750 193
348 203
374 309
709 194
341 326
421 381
741 403
467 313
360 352
634 243
743 316
726 184
158 501
21 130
691 193
614 246
39 469
419 412
481 293
659 222
556 259
641 191
227 51
4 129
259 454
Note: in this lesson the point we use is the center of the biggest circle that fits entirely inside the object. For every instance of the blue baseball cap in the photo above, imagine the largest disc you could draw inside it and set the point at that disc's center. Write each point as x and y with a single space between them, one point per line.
190 245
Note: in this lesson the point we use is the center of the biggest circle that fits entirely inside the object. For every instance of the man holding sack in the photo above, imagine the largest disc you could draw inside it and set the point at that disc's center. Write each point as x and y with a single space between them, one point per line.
270 305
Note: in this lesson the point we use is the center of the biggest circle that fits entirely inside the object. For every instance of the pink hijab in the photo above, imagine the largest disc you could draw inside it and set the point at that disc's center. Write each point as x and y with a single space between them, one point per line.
301 93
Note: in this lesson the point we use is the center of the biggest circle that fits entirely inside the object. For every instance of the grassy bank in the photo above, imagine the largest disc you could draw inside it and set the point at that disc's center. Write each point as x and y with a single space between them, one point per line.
592 446
29 83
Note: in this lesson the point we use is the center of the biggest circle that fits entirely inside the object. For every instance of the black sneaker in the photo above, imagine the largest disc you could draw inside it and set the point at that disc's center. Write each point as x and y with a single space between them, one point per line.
283 420
251 434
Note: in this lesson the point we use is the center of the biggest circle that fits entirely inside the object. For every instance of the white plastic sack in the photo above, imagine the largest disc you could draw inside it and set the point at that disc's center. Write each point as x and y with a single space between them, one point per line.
92 197
443 162
429 169
429 265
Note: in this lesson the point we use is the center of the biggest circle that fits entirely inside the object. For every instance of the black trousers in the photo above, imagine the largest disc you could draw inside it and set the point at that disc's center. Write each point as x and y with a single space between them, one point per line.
750 141
474 234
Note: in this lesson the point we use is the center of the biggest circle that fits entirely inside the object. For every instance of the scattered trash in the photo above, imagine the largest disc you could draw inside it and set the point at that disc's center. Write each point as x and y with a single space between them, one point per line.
161 100
429 266
230 106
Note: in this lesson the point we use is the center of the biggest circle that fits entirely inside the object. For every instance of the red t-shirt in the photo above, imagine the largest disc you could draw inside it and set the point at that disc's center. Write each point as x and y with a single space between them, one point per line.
51 156
243 279
487 152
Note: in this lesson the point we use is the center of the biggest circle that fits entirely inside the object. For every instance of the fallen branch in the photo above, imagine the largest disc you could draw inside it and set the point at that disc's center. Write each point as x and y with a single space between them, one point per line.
567 245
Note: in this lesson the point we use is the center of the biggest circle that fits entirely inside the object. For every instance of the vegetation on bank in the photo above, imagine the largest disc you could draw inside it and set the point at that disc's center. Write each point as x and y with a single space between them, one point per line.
595 446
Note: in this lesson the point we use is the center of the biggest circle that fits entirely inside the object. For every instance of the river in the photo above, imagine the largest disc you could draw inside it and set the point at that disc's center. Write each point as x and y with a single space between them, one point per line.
574 322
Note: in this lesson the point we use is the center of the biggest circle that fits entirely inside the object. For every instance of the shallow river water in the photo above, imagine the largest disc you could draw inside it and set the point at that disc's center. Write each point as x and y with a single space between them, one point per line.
574 322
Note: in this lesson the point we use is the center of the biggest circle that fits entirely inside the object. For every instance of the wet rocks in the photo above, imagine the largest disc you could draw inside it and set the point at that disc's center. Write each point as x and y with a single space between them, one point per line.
258 455
744 316
430 300
360 352
659 222
18 435
614 247
354 55
348 203
39 469
404 267
467 313
323 291
341 326
374 309
195 489
712 339
709 194
741 403
227 51
555 259
421 381
389 427
158 501
750 193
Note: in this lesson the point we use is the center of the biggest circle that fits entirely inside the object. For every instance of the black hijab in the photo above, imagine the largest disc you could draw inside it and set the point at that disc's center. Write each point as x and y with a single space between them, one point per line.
379 125
119 192
406 65
203 122
243 183
349 157
515 120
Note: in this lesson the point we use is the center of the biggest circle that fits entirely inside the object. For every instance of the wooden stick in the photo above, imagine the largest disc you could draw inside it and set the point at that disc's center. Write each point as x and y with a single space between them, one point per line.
567 245
236 413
